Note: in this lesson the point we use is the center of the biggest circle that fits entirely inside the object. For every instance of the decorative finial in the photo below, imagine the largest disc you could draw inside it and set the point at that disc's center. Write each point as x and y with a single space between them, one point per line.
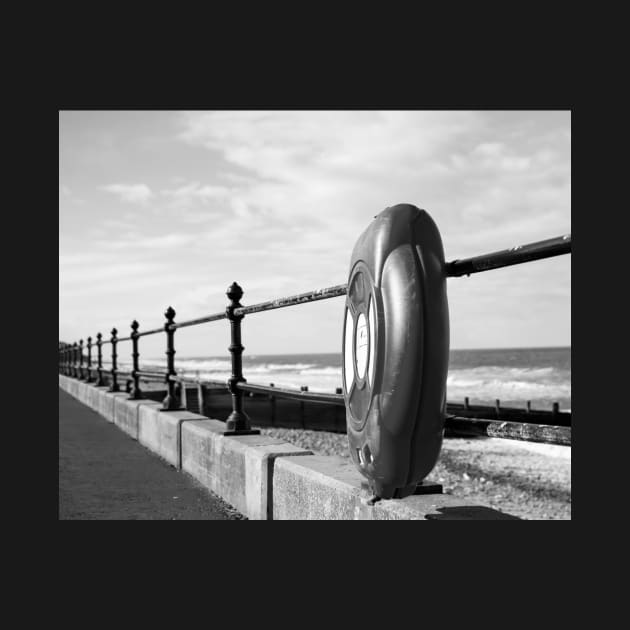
170 313
234 292
114 332
134 326
99 336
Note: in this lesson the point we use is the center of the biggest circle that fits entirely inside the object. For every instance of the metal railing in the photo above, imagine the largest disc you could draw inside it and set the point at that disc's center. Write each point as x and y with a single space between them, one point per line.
538 425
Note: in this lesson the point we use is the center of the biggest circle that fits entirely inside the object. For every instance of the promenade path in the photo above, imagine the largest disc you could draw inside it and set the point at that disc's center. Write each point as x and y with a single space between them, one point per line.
104 474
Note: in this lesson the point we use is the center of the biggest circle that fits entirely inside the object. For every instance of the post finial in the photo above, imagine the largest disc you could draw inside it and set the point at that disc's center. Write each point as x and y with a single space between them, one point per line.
234 292
134 326
114 332
170 313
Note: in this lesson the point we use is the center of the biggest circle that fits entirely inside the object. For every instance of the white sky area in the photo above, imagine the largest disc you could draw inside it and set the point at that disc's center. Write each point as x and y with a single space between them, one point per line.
160 208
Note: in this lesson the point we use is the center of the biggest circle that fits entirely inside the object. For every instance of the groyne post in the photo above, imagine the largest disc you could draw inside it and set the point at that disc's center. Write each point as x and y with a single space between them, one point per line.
303 388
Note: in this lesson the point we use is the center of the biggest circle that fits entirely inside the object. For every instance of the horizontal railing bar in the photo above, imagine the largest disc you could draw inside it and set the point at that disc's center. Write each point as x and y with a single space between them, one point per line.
310 296
524 431
151 332
316 397
155 373
514 256
199 320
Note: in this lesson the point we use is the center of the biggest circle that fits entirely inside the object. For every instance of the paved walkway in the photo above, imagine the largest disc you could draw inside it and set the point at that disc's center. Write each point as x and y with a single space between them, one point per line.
105 474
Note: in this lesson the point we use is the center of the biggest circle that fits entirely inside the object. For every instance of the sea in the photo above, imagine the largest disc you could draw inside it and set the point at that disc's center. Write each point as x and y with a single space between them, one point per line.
512 375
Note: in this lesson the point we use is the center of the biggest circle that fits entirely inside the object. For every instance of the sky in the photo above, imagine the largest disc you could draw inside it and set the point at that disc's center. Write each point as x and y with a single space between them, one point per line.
168 208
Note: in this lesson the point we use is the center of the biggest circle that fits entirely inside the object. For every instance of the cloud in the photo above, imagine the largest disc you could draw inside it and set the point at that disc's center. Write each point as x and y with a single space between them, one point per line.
132 193
195 191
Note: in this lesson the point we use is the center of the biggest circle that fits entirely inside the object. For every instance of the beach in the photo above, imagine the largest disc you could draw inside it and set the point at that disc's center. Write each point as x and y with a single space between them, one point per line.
518 478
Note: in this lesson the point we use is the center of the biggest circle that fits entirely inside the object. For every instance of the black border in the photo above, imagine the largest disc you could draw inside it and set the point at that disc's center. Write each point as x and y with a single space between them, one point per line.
421 84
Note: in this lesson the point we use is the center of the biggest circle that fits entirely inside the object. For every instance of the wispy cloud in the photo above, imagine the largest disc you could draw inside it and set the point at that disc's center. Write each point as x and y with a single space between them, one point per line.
344 167
132 193
194 191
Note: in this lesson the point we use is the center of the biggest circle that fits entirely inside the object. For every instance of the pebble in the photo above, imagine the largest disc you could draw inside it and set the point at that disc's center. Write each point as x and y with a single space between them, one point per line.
505 470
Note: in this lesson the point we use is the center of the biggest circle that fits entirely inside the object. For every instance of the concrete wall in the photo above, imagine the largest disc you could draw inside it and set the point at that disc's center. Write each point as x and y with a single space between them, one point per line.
262 477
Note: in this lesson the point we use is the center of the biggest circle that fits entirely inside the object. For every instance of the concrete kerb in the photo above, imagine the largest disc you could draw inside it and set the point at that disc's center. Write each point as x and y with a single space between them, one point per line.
105 401
263 477
70 385
83 391
161 431
73 387
321 487
237 468
94 397
126 414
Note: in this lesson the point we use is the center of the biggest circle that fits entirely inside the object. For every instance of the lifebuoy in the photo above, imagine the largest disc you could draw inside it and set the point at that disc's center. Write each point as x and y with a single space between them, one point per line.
395 350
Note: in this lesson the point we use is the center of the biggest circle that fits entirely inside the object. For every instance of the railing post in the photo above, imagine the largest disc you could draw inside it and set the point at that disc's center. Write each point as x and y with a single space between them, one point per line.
114 387
75 369
136 394
238 422
99 357
171 402
88 378
81 375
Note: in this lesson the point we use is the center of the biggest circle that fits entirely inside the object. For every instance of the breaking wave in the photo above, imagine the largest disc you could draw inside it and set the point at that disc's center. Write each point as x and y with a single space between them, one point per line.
482 384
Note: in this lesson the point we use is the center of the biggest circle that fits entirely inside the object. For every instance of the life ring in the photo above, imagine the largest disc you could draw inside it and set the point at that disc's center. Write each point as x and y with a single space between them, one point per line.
396 350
